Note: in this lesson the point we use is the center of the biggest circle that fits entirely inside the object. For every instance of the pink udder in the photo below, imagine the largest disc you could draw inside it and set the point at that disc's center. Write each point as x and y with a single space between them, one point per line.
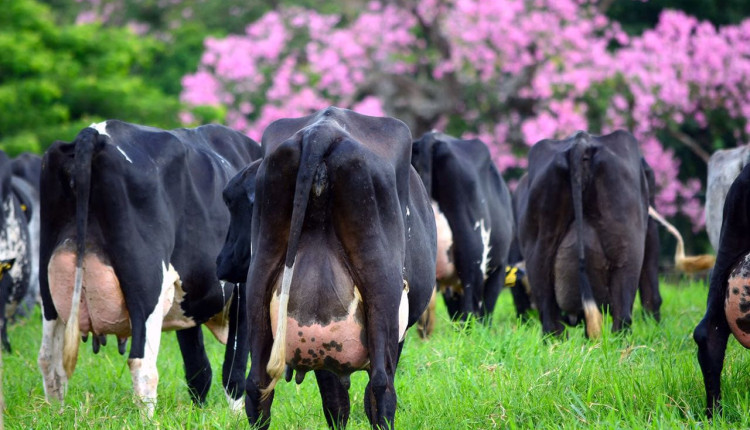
444 263
102 306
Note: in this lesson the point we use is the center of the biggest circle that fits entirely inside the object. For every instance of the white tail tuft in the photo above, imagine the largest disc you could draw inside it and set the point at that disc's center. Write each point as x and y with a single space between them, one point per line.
593 320
277 361
72 328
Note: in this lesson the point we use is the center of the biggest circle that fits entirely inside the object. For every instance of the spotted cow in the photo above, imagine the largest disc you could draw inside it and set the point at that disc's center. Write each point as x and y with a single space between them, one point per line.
343 259
728 304
26 170
474 218
131 223
582 224
15 250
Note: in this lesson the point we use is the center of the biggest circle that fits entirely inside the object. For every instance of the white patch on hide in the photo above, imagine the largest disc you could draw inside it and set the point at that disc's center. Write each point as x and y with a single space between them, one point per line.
485 235
403 311
101 127
174 317
122 151
143 371
235 405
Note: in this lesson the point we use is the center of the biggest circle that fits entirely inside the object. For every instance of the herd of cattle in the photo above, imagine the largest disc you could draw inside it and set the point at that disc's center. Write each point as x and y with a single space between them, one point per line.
333 237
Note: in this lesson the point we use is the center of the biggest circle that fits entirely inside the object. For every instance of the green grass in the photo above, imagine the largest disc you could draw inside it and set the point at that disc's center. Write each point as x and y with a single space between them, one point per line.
504 376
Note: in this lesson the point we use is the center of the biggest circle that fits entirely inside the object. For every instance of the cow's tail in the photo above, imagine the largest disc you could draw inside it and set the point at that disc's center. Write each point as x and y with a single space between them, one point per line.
577 156
314 145
85 143
687 264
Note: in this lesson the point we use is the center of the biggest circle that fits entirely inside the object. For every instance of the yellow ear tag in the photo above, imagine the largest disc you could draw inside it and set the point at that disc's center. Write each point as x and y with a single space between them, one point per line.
4 267
511 275
23 207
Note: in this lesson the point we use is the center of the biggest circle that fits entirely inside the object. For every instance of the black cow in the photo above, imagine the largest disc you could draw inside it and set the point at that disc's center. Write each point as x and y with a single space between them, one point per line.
518 282
648 284
28 166
728 292
582 225
15 252
26 170
233 261
132 221
474 218
343 259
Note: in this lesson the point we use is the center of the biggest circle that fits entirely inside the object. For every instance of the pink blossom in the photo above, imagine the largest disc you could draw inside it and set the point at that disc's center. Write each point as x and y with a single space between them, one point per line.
551 54
370 105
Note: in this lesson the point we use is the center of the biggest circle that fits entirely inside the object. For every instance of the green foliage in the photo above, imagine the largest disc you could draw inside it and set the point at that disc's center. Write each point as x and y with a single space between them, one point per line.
637 16
56 79
504 376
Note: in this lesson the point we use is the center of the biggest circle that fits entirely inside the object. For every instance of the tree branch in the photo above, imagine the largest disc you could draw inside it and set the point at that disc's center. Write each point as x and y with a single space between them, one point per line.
690 143
604 5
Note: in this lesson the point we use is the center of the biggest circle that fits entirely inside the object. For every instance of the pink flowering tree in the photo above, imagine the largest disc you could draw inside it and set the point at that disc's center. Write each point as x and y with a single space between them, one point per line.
510 72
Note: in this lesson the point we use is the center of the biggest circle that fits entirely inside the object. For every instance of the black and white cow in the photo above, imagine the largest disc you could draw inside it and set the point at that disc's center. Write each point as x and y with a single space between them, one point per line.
132 221
26 170
343 259
474 218
15 250
727 309
582 227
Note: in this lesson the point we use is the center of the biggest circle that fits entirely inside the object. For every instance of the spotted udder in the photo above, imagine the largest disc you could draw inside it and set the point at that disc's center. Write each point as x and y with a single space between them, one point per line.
737 303
339 345
325 314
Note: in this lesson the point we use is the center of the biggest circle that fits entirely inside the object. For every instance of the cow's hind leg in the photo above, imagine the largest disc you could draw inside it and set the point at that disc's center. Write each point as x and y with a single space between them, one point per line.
521 298
492 288
711 335
368 222
50 359
452 304
335 397
648 286
543 288
144 347
624 284
257 408
371 401
237 350
197 367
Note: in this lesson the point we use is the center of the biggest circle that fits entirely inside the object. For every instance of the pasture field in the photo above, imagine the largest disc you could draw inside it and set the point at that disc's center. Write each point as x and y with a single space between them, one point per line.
504 376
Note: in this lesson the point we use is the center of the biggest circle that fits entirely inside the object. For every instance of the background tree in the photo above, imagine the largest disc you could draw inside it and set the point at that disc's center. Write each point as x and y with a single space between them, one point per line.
510 71
526 71
55 80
